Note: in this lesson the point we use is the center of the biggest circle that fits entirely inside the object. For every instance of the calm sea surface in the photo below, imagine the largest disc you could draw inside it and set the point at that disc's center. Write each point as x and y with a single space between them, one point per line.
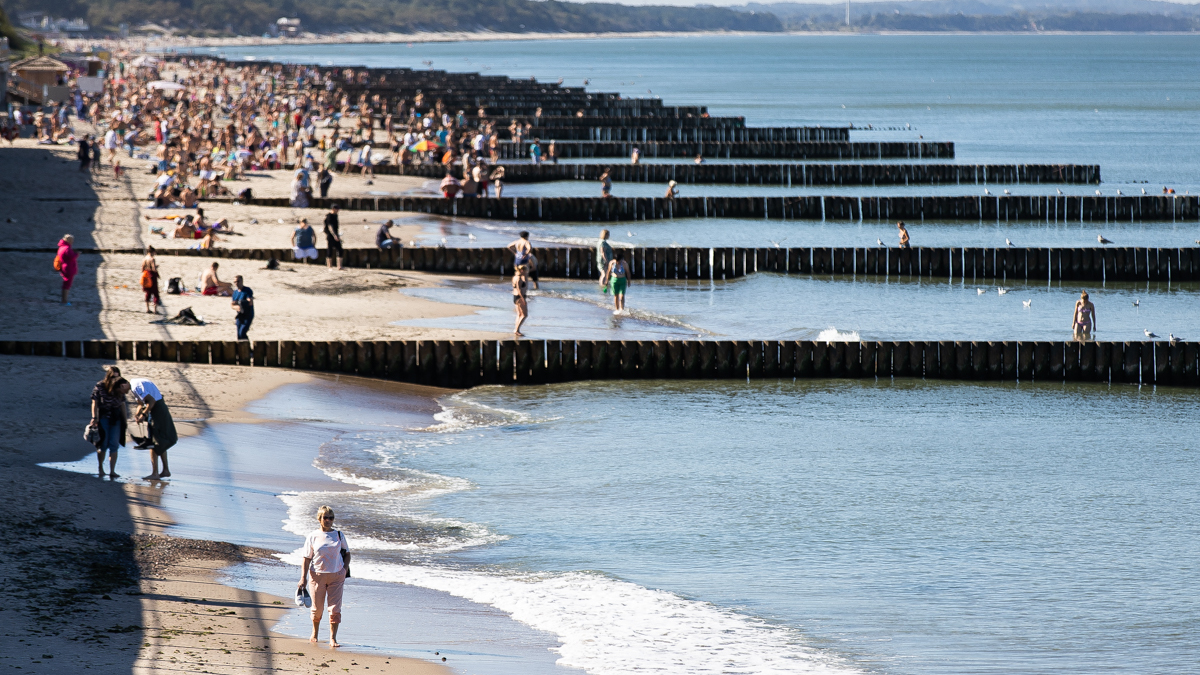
899 527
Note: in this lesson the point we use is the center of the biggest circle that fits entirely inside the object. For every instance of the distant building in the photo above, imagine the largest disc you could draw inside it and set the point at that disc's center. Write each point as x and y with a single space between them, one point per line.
41 71
286 27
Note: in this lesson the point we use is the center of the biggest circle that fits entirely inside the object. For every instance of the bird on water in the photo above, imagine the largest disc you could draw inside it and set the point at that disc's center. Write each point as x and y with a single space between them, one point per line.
1027 303
1137 303
1100 238
1007 192
979 291
1002 291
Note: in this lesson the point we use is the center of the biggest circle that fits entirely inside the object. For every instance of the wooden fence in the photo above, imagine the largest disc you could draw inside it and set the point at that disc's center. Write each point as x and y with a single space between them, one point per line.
465 363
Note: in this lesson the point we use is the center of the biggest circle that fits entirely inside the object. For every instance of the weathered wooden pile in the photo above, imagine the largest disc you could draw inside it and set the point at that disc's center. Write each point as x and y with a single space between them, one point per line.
458 363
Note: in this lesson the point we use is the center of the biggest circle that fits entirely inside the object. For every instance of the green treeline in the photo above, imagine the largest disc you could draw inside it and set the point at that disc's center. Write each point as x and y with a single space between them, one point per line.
251 17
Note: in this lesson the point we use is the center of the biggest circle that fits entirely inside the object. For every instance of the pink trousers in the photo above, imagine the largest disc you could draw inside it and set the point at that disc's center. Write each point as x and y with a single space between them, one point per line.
327 589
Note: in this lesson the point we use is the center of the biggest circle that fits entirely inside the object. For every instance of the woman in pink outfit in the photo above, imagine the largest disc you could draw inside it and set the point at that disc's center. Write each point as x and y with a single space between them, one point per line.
65 263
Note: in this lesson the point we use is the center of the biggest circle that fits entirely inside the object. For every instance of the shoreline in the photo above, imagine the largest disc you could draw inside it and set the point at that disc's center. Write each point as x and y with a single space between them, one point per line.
158 599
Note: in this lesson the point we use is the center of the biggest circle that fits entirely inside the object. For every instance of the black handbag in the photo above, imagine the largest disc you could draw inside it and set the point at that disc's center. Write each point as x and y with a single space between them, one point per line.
345 556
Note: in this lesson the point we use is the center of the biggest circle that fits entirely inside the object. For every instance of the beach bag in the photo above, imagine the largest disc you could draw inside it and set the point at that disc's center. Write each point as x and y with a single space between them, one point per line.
58 263
93 435
173 286
345 556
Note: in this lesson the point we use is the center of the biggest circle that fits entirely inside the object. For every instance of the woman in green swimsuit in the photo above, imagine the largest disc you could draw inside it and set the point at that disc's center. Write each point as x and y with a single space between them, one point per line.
618 279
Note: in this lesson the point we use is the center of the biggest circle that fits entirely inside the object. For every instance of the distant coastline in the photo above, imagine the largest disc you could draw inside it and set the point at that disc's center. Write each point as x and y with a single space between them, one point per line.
188 42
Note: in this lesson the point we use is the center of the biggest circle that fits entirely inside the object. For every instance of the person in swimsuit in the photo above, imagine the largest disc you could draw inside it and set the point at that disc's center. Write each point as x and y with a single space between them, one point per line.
150 281
903 234
521 249
606 184
618 279
520 302
1083 322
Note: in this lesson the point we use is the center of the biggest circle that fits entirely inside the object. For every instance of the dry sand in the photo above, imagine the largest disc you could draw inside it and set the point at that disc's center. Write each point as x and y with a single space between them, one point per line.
100 590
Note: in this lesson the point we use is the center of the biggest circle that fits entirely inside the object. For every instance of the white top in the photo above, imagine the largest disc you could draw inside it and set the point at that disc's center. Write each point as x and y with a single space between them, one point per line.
142 388
325 549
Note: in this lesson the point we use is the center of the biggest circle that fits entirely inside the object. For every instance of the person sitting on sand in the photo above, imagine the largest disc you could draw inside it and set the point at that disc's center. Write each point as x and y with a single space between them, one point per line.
211 284
184 228
384 239
323 573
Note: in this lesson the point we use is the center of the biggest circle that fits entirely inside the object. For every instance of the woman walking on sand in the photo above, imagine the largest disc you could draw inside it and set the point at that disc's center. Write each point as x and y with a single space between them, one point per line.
66 264
110 413
324 571
520 300
150 281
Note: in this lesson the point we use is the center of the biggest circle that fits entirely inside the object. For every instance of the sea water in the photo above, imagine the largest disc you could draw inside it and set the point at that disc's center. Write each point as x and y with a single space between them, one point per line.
801 527
894 526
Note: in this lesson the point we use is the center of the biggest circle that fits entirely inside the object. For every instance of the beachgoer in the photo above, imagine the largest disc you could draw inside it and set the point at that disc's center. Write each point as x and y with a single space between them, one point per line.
606 183
521 249
618 279
604 255
497 178
1083 321
84 154
110 413
672 191
635 157
903 234
384 239
324 180
304 242
300 190
242 302
66 262
450 186
150 281
153 410
520 301
211 284
323 570
333 238
699 159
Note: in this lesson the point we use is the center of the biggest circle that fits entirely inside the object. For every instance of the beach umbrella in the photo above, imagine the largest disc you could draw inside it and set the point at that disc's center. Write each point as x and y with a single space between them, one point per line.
165 85
424 145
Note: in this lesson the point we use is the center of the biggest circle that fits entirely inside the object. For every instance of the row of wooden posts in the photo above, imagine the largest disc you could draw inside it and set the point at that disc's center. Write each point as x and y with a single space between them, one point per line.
790 174
729 150
1068 209
466 363
1048 264
633 132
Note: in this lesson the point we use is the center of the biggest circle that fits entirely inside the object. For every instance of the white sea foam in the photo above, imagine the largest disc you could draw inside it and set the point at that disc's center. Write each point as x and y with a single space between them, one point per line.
832 334
608 626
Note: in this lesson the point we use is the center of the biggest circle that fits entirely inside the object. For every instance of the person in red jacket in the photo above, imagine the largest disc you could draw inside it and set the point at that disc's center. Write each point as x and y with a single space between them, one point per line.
65 263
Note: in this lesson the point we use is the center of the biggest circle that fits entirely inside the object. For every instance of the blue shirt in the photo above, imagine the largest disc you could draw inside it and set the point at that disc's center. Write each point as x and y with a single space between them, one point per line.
243 299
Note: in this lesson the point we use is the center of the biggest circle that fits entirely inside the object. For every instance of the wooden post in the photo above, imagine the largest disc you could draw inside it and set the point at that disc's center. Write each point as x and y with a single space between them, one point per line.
243 352
630 360
804 358
523 358
647 360
691 359
1147 363
488 362
836 353
1010 360
883 359
963 365
675 358
820 359
537 361
554 361
1102 362
304 355
868 355
1177 356
787 359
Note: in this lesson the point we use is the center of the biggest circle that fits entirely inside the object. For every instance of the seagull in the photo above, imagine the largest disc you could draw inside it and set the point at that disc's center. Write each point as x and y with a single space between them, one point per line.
472 237
776 243
1149 334
1008 241
877 241
1174 340
628 233
986 192
1027 303
1058 191
1118 193
1007 192
1002 291
281 221
1143 190
1100 238
978 291
254 221
1097 192
443 241
1137 303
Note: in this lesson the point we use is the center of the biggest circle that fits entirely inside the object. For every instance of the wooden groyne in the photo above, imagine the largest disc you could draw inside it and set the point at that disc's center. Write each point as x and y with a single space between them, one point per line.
631 131
727 150
791 175
466 363
965 264
1006 208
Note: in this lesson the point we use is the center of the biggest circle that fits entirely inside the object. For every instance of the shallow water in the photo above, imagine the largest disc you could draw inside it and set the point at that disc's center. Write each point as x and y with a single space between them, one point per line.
811 526
807 307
